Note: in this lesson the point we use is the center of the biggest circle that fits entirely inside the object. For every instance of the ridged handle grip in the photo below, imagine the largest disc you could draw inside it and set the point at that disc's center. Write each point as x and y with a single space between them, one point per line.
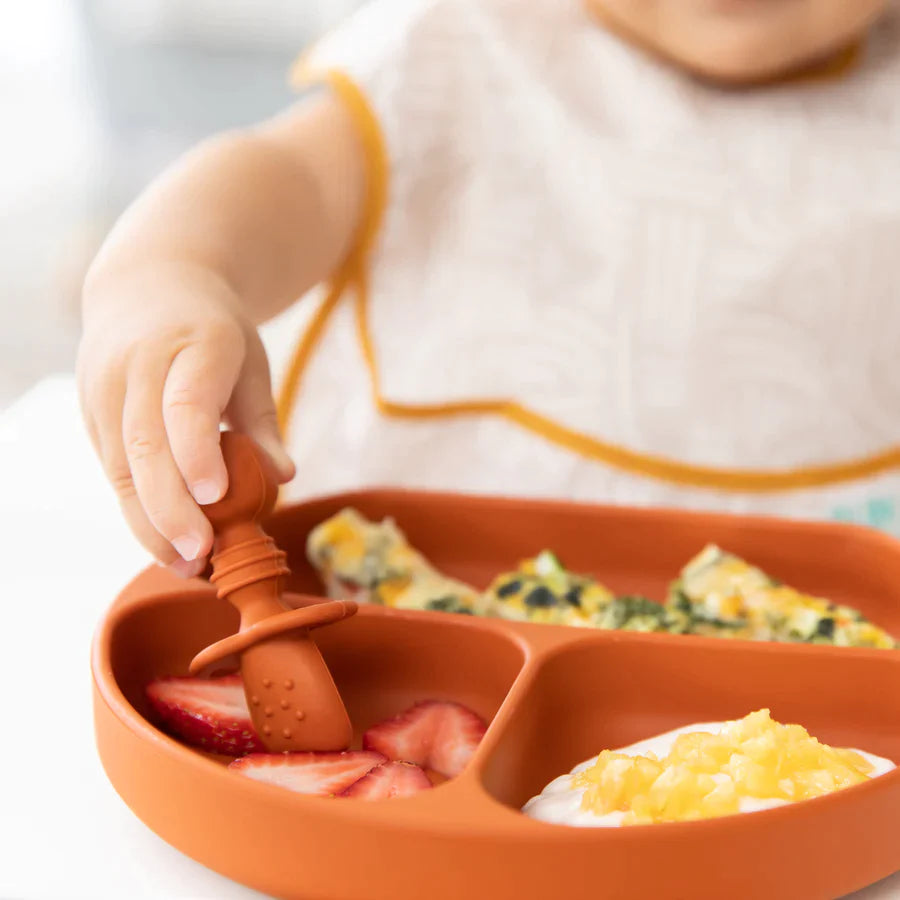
293 700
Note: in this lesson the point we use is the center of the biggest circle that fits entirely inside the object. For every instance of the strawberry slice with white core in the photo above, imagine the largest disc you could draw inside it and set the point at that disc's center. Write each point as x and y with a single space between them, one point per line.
208 713
320 774
436 734
390 779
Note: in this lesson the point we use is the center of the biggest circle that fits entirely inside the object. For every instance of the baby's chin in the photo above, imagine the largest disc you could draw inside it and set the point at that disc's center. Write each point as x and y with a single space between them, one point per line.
742 42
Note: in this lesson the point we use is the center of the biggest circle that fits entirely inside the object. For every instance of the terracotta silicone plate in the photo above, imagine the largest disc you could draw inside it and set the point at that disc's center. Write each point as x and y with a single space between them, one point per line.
555 696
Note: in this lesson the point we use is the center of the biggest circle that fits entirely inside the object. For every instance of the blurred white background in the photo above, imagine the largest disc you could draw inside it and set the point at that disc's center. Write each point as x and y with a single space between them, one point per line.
96 96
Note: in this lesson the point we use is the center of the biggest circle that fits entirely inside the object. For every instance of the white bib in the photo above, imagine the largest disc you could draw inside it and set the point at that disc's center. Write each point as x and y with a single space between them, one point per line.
634 259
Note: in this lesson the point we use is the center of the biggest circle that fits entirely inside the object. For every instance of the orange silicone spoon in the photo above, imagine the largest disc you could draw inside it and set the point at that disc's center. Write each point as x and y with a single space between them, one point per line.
293 700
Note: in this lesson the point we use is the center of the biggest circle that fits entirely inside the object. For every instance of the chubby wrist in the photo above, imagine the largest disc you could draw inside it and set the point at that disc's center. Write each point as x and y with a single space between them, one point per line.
113 287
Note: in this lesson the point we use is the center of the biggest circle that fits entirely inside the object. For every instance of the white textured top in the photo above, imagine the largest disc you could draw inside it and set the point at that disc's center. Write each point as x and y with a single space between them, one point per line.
711 276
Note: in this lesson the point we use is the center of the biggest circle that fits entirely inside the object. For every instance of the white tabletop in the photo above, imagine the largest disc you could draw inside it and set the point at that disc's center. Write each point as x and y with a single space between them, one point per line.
64 832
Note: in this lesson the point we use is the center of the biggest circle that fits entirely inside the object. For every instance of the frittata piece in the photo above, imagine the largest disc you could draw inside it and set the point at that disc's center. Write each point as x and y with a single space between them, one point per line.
542 590
372 562
724 596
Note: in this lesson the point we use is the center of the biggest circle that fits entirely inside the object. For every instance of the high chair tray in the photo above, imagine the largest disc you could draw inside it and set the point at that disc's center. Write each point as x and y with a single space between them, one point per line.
553 696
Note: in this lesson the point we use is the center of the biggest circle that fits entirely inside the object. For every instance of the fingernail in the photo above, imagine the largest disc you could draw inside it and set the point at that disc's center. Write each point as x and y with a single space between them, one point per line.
188 547
185 569
206 492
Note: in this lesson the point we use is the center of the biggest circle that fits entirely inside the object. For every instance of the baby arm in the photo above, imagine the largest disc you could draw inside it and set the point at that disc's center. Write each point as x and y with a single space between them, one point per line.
231 235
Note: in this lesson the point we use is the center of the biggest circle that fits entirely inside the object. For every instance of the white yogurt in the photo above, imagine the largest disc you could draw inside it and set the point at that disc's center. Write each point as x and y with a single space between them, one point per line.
560 801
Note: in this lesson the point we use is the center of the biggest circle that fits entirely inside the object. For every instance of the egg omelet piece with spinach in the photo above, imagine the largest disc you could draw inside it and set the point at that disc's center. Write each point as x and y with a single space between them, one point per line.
372 562
721 595
542 590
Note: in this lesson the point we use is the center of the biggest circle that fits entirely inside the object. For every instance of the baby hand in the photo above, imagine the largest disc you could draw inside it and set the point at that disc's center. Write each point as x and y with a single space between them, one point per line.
167 354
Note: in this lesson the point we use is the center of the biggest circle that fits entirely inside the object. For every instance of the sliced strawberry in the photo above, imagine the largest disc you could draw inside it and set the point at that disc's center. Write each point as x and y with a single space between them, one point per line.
435 734
209 713
322 774
390 779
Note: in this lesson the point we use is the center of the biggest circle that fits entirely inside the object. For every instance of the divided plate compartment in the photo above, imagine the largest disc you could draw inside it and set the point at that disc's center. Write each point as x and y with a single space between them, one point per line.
554 696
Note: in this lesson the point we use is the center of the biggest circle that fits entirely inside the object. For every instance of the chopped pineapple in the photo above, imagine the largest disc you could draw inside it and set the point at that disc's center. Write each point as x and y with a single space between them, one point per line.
708 775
